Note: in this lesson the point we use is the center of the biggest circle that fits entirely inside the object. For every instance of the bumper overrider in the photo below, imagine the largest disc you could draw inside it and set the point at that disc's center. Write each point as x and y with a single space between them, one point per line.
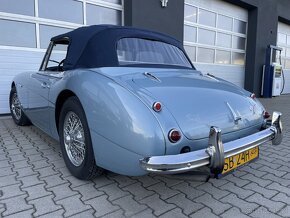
212 158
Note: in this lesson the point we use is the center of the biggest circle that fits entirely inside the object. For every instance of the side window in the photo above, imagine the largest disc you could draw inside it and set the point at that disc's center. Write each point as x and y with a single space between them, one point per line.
55 57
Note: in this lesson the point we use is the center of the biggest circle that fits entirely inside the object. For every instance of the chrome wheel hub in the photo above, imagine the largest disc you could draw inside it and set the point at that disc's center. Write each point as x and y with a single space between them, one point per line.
74 138
15 107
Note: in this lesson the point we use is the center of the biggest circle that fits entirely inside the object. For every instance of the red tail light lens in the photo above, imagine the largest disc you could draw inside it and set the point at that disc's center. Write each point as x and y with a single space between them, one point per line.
266 114
174 135
157 106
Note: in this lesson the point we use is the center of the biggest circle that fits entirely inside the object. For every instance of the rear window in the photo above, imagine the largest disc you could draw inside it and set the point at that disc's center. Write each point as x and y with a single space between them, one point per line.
143 51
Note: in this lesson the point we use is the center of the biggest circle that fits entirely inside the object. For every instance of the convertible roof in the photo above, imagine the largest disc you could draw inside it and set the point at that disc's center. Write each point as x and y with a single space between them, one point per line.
95 46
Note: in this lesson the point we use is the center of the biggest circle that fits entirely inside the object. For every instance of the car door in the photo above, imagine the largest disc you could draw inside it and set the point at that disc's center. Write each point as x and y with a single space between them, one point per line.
40 85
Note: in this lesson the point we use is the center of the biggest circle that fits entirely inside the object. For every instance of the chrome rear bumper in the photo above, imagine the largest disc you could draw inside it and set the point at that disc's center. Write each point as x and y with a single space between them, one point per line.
213 156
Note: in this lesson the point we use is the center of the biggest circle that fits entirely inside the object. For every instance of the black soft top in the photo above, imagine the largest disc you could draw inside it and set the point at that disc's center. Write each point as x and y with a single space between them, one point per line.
95 46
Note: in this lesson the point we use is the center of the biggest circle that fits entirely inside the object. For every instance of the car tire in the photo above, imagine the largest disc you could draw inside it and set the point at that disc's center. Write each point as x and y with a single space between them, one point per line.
16 111
75 140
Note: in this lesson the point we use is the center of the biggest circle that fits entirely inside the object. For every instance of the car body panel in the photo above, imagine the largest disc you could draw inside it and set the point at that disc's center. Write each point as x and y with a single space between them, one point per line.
118 100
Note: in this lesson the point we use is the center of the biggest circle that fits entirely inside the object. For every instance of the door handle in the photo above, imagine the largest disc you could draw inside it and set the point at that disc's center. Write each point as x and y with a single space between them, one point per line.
44 85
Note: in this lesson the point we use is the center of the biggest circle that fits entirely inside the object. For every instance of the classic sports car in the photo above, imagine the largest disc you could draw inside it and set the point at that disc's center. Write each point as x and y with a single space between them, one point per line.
130 101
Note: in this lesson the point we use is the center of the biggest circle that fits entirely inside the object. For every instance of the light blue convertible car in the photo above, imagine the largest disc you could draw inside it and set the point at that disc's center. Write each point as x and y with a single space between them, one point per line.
130 101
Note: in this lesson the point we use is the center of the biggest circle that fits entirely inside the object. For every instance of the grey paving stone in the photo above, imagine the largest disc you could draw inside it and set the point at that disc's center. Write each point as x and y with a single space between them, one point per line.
29 181
189 191
129 205
173 214
54 180
215 192
113 191
46 171
22 172
101 181
267 193
148 213
243 205
163 190
4 163
102 206
263 212
123 181
138 191
234 212
73 205
88 191
272 206
22 214
62 191
279 188
147 180
85 214
273 178
36 191
21 164
15 205
116 214
216 206
11 191
44 205
240 192
6 171
75 181
281 197
204 212
54 214
187 206
157 205
285 212
169 180
8 180
260 181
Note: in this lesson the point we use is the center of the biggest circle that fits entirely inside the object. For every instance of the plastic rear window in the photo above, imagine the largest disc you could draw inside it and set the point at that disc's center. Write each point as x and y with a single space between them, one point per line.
137 51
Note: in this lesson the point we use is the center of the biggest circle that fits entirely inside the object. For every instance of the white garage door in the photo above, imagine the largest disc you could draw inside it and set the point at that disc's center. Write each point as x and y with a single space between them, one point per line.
283 41
26 27
215 38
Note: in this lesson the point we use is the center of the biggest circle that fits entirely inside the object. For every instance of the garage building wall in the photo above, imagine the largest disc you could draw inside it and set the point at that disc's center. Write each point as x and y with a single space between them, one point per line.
26 27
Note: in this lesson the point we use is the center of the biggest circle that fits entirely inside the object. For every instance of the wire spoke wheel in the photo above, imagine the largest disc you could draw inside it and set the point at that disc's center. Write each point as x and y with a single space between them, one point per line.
74 138
15 106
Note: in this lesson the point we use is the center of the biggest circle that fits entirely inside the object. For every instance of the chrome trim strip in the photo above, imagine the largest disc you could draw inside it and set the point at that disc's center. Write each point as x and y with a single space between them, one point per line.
213 156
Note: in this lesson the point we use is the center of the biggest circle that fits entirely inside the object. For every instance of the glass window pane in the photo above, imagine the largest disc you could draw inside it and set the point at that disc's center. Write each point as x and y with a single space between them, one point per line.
282 38
100 15
191 52
287 64
238 58
239 43
205 55
288 52
288 40
207 18
240 26
206 36
224 40
25 7
57 56
17 33
47 32
225 23
64 10
114 1
223 57
190 13
189 34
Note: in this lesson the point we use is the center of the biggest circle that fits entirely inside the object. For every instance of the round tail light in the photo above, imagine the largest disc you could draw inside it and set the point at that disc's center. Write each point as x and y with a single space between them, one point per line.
157 106
174 135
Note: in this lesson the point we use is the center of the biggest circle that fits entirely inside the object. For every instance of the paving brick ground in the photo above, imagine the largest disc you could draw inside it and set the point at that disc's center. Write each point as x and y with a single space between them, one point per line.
35 182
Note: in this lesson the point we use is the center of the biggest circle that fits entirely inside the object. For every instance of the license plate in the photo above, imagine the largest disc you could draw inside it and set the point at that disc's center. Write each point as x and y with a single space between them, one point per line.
240 159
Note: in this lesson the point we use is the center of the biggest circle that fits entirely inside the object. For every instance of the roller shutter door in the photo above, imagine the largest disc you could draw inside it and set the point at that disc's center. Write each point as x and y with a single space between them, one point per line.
215 35
27 26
